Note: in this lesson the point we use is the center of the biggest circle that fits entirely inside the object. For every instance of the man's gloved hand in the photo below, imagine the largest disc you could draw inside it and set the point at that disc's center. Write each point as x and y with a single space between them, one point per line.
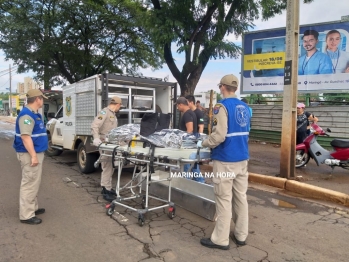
97 142
199 144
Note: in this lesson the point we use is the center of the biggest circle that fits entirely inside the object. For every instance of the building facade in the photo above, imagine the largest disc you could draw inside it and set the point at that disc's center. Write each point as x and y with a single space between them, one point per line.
28 84
204 98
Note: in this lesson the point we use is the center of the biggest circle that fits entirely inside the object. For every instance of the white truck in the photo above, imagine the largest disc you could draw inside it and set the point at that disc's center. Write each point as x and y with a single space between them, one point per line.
71 127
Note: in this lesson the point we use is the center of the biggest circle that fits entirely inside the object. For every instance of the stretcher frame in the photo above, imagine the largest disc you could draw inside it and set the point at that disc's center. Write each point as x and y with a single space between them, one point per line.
143 161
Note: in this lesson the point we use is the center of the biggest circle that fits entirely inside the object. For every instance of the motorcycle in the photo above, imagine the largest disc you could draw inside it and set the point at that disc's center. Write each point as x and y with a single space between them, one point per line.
310 148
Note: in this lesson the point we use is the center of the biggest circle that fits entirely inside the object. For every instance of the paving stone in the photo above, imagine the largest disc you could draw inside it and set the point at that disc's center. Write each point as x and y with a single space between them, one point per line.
334 216
344 220
323 213
152 259
158 230
139 233
168 255
161 223
184 231
195 229
250 253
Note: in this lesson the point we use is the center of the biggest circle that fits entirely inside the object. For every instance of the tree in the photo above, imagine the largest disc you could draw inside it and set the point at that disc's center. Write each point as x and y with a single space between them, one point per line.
4 96
198 28
218 97
69 40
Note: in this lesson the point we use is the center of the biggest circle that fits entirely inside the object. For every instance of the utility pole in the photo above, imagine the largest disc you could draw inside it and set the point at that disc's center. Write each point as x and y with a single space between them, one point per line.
10 96
289 111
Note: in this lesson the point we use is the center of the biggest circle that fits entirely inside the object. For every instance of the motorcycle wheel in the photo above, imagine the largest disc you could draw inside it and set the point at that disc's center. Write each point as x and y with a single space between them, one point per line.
302 158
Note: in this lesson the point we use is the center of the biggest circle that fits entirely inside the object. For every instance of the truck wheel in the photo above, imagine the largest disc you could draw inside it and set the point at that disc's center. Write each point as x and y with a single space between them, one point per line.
86 161
52 151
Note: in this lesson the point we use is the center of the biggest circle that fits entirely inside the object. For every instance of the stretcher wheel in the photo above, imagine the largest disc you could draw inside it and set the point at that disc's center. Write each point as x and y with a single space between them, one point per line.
141 221
110 210
171 212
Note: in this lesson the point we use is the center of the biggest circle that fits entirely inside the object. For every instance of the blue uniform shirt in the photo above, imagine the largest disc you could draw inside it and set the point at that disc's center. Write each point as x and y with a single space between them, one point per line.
39 135
235 146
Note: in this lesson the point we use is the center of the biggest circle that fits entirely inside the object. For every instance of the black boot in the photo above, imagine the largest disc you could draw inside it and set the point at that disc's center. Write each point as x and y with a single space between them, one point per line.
108 192
108 197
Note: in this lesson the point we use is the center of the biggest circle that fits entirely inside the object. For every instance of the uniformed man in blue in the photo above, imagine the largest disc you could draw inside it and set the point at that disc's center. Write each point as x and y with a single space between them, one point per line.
100 127
30 144
313 62
229 143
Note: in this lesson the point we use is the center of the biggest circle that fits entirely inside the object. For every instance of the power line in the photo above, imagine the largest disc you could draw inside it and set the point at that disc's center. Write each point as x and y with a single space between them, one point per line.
14 67
12 70
5 83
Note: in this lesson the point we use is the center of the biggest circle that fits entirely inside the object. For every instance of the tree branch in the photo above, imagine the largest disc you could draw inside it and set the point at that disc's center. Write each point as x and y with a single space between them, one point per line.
156 4
206 20
170 61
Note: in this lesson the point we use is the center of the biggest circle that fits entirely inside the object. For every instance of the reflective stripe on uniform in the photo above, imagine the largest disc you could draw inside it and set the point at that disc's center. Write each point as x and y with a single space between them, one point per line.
238 134
36 135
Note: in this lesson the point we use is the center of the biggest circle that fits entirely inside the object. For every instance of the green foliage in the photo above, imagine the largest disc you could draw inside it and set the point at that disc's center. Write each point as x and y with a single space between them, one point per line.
69 40
257 99
336 98
274 7
4 96
198 28
219 97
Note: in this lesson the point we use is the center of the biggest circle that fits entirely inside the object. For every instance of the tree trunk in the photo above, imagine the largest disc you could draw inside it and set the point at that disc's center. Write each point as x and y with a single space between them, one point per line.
46 79
190 80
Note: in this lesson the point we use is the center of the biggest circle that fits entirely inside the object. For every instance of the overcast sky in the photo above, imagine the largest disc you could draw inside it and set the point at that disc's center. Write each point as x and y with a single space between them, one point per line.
317 12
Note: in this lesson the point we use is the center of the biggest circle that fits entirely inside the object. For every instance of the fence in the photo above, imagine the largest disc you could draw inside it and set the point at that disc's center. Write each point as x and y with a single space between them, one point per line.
266 122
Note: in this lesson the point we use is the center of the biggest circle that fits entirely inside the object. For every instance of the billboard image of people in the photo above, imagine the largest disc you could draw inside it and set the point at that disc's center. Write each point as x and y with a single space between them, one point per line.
323 59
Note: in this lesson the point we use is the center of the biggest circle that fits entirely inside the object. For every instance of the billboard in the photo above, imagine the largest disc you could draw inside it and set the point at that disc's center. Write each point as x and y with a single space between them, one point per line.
323 54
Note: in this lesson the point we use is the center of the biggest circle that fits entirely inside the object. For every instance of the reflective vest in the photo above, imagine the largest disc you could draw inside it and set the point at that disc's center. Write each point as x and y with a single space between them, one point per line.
39 135
235 146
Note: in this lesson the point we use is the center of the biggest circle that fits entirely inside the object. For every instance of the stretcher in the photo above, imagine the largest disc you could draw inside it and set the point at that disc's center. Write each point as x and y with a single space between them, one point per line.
148 160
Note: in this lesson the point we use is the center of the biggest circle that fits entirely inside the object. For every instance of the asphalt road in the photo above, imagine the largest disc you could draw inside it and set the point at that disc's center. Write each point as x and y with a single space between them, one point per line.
76 228
265 160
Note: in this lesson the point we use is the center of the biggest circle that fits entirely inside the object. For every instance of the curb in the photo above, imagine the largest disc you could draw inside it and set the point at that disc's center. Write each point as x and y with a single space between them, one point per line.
317 192
303 189
267 180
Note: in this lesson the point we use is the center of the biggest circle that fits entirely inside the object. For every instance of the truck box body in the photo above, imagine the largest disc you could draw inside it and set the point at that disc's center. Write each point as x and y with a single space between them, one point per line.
83 100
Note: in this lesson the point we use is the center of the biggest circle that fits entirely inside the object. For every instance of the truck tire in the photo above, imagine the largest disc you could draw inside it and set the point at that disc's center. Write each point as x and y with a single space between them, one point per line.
52 151
86 161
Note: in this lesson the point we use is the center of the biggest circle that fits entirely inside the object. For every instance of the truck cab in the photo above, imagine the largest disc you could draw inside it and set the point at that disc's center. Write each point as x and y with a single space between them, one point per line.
70 129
